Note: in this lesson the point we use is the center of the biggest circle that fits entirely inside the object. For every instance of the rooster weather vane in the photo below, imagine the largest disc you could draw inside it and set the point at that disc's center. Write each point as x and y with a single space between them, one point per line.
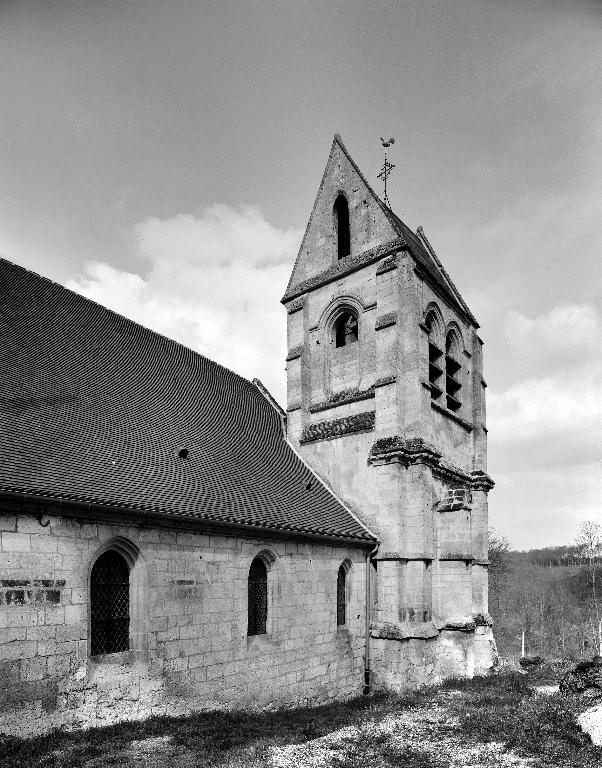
385 171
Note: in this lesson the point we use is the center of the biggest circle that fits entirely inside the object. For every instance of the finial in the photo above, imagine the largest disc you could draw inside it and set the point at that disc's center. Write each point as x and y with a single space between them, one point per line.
385 171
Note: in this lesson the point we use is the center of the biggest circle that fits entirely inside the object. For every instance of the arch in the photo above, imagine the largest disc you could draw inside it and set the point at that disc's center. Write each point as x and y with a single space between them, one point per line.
341 225
453 368
342 592
433 322
120 604
257 596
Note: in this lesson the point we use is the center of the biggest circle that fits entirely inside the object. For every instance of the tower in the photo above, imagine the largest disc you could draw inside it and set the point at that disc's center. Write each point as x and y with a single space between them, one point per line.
386 401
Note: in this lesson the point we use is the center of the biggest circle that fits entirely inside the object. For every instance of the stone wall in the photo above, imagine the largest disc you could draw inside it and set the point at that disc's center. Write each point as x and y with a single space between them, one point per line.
188 628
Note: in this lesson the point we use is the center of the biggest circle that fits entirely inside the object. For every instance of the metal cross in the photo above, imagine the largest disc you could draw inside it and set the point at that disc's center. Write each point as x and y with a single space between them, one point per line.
387 168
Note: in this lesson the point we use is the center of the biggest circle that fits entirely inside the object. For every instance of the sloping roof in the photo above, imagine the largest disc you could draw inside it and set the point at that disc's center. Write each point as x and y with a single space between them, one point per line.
422 253
94 408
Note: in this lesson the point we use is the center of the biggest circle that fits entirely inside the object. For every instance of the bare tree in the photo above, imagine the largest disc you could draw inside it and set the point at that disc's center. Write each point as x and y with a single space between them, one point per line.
589 545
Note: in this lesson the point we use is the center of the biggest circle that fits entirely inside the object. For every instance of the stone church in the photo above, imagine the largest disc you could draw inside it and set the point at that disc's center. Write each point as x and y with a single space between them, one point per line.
172 540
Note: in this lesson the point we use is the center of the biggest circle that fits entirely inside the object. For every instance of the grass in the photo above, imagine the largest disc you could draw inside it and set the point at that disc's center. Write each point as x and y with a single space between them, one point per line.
484 719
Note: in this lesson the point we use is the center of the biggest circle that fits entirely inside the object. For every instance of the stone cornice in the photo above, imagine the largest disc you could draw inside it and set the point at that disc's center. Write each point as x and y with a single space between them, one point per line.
343 398
344 267
416 450
387 265
384 321
324 430
384 380
296 305
481 481
294 353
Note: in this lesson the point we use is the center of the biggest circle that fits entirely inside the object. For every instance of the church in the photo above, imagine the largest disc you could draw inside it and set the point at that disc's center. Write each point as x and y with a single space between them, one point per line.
172 540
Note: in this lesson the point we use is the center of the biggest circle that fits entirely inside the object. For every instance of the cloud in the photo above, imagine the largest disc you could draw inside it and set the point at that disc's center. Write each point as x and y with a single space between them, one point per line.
545 426
565 335
563 401
213 282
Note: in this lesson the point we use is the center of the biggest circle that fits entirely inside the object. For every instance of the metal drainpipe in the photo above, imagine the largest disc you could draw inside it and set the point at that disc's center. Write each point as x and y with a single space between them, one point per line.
369 557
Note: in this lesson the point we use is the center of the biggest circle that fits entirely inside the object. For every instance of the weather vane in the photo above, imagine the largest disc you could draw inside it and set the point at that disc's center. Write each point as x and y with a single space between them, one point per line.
385 171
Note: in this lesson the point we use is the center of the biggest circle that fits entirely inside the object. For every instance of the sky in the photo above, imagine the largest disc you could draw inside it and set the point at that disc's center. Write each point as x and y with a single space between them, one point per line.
162 158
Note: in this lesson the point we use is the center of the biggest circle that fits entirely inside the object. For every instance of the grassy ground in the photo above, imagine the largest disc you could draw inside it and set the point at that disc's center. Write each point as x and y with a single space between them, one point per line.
497 721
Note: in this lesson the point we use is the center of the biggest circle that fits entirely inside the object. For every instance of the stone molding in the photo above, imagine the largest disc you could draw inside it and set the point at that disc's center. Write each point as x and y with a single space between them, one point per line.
296 305
406 630
416 450
294 353
344 267
323 430
480 480
387 265
384 380
343 398
404 556
386 320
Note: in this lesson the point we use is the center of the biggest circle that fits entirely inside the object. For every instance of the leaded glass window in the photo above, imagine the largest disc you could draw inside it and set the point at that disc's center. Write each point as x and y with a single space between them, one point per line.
110 604
258 598
341 596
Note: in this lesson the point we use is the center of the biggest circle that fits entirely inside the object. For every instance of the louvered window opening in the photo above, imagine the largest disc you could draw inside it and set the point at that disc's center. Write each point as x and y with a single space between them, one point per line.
258 598
110 605
452 376
341 596
435 371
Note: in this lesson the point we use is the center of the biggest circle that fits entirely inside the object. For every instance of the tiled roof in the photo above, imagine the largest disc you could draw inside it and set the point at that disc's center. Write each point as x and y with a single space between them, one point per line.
94 408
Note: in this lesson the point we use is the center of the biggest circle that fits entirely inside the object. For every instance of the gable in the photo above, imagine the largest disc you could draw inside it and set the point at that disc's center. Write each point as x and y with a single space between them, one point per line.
95 409
375 233
370 226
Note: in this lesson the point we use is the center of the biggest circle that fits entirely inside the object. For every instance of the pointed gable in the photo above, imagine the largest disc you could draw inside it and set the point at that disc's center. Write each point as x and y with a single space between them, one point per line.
375 232
370 226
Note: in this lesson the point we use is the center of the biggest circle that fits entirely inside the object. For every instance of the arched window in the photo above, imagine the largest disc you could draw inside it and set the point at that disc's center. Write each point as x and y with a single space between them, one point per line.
258 598
345 329
435 356
341 596
453 371
110 604
341 217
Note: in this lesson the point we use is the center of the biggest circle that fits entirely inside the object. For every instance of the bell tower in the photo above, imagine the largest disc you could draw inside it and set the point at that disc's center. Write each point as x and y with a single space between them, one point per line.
386 401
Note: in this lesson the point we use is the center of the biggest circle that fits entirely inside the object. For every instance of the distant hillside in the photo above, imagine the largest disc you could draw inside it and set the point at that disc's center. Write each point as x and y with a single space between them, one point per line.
549 594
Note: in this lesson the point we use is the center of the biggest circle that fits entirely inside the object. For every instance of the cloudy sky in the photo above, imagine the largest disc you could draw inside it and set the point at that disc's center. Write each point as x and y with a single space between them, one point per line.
162 158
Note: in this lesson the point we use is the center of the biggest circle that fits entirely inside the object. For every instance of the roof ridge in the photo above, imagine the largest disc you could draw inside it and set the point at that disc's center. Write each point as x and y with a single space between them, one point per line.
162 336
422 235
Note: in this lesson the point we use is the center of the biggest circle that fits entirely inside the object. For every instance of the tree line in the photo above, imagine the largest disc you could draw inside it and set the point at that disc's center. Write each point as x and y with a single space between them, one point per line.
552 595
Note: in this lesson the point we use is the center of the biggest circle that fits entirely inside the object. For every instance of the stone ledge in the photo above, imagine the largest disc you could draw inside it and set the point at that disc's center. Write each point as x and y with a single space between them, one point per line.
406 630
344 267
385 321
387 265
294 353
296 305
404 556
384 380
323 430
343 398
461 624
415 450
450 556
